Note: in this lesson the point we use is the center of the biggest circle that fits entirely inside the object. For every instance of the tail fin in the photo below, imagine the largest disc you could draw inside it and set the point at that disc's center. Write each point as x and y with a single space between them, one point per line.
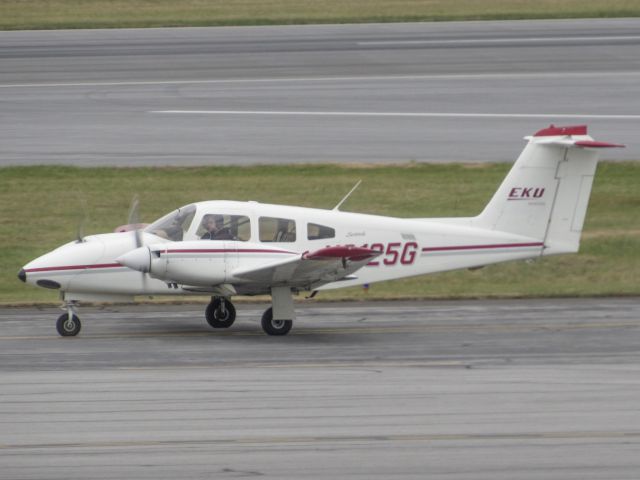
546 193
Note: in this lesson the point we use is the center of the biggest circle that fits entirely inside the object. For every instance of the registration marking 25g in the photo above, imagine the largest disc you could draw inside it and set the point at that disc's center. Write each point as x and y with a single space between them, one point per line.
394 252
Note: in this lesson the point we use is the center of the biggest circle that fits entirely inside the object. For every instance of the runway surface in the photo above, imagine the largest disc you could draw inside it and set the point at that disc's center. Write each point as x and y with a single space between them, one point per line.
514 389
461 91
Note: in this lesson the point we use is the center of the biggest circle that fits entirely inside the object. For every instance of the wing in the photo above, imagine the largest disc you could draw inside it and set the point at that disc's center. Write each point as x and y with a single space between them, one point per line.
310 269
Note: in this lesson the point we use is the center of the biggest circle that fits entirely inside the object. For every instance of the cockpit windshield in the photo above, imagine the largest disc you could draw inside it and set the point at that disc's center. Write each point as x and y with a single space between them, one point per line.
174 225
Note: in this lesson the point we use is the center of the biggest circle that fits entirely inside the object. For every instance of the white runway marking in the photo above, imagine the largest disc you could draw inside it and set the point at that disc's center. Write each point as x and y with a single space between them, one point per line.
396 114
510 41
372 78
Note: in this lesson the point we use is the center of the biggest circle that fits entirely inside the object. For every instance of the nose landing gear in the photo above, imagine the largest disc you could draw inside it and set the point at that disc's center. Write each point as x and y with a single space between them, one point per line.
220 313
68 324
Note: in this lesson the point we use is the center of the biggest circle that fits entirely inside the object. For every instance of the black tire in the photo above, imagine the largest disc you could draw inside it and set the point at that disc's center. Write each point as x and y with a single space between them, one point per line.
214 314
275 327
68 327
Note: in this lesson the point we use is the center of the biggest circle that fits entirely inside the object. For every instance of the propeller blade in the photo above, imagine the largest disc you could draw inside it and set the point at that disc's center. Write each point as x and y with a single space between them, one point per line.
82 221
134 214
134 219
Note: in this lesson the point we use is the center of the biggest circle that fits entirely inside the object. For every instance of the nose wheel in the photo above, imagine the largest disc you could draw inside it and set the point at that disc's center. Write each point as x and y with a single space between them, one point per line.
220 313
68 324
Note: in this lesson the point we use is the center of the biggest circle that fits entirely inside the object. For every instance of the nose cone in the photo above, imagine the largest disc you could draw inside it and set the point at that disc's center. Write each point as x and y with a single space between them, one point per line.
22 275
138 259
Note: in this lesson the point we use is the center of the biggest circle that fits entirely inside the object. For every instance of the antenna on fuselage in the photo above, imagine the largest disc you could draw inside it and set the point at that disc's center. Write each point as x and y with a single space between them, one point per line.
337 207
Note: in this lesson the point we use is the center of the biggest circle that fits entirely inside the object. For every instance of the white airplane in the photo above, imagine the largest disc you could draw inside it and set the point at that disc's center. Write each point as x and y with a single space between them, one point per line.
224 248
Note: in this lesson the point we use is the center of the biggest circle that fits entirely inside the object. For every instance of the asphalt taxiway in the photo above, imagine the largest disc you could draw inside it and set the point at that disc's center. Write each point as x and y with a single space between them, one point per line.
459 91
517 389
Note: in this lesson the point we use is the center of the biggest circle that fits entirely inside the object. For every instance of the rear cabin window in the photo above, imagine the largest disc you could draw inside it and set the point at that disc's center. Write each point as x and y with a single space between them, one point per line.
277 229
316 232
217 226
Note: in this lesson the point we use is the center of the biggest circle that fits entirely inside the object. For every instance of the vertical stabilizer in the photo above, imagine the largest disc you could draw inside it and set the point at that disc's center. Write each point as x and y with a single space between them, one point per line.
546 193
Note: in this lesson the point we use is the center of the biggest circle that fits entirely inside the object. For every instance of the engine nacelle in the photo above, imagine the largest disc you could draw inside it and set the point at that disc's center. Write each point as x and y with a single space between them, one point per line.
189 263
200 263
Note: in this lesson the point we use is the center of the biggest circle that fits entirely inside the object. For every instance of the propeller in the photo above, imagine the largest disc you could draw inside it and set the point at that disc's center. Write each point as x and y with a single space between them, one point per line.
136 228
134 220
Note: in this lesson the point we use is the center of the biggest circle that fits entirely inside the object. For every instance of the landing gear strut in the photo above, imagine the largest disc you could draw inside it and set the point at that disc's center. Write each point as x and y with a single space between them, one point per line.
220 313
68 324
280 322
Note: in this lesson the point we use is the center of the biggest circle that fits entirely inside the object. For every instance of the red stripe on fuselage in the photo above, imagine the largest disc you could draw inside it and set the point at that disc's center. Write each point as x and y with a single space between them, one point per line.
482 247
74 267
425 249
117 265
222 250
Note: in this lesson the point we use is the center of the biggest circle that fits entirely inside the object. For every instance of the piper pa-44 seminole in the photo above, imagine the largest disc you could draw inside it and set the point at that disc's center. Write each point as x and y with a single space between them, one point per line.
225 248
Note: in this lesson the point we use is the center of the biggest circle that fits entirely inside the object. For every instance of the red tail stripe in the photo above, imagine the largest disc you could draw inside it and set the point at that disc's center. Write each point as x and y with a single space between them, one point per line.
594 144
553 131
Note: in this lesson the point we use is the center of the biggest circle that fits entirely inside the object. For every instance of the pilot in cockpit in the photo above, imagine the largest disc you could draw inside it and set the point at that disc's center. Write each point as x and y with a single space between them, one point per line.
215 228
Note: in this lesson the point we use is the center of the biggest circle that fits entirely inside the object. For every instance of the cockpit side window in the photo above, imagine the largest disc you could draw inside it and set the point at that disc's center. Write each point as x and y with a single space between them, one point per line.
277 229
174 225
217 226
316 232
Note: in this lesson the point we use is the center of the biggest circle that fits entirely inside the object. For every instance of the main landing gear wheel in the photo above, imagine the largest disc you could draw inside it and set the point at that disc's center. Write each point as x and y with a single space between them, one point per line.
220 313
68 326
275 327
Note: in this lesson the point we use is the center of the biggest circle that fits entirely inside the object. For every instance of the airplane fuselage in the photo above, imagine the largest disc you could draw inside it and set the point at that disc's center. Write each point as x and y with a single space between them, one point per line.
191 265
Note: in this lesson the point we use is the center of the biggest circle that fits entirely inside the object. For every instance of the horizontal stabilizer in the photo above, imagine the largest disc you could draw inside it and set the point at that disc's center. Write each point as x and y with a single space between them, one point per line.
569 142
594 144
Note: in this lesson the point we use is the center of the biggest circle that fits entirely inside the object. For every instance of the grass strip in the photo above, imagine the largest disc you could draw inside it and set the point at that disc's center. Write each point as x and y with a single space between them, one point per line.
42 207
57 14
